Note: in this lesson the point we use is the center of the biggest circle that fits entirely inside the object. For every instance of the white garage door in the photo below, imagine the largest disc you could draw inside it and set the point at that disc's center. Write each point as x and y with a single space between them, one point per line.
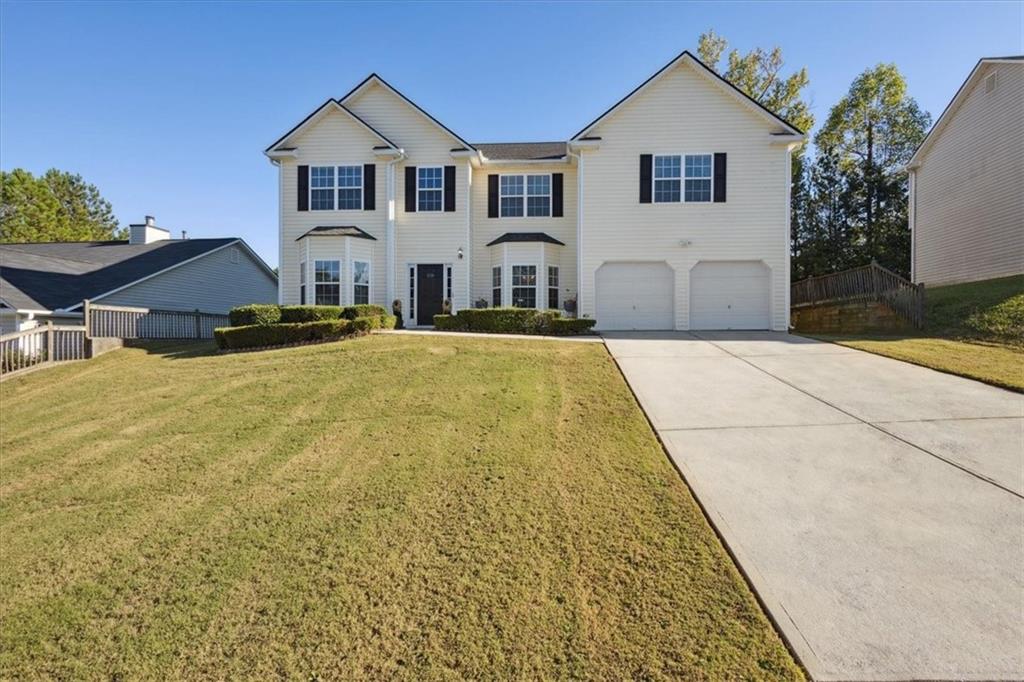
729 295
635 296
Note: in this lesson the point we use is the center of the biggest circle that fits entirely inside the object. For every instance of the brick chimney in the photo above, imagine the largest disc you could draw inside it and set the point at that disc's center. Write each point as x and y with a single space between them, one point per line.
147 233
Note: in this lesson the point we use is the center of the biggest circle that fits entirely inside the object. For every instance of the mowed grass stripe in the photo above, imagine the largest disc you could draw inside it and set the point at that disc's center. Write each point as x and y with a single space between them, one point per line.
408 507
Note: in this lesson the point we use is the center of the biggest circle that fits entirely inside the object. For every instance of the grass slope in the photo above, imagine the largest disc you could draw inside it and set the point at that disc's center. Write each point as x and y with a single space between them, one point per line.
990 310
392 506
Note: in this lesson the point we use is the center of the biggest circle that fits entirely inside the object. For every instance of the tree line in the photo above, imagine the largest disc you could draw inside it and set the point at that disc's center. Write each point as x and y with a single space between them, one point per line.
849 195
54 207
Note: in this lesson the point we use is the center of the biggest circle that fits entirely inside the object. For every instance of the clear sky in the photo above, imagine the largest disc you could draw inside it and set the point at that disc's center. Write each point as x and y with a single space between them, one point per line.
167 107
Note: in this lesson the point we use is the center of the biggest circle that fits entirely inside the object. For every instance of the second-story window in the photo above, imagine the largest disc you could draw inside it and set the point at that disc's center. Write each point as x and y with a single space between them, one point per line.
698 178
430 188
525 195
667 179
333 187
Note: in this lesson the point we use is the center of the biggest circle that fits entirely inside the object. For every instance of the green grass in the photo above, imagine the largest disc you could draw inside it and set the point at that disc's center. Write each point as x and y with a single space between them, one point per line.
386 507
991 310
974 330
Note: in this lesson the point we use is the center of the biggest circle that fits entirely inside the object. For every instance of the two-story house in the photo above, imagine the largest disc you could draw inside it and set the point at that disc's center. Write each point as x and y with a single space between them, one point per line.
668 211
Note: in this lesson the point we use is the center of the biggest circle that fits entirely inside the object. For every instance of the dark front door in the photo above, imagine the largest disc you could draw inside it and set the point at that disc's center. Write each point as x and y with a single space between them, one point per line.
429 292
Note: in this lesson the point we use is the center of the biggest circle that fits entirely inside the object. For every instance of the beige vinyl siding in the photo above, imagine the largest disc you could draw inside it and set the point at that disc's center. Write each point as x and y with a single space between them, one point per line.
334 140
969 188
486 230
212 283
421 237
684 113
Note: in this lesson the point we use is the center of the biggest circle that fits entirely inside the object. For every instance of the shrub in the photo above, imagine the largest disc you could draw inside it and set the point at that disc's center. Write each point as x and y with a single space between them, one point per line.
256 313
388 321
571 326
366 324
309 313
511 321
351 312
260 335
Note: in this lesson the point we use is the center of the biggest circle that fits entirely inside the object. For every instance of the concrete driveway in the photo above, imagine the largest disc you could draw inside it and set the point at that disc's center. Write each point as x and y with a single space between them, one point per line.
877 507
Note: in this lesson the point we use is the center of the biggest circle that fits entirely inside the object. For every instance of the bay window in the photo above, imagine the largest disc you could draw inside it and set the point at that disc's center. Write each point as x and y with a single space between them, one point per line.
327 279
524 286
360 282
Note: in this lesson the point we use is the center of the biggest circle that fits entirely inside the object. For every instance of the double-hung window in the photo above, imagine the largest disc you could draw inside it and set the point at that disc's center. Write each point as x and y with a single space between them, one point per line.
360 282
552 287
496 286
330 183
524 286
430 188
682 178
302 283
528 195
327 278
698 178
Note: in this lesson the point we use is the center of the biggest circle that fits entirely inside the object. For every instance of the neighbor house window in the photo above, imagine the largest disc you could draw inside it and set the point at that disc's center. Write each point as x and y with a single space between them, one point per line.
302 283
524 286
430 188
496 286
329 182
448 283
698 178
528 195
327 278
552 287
360 282
667 179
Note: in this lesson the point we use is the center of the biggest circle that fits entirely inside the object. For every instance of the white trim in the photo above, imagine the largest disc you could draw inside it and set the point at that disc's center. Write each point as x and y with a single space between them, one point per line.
280 228
912 220
316 283
704 71
431 189
536 277
786 236
468 251
178 265
284 154
558 161
525 195
682 177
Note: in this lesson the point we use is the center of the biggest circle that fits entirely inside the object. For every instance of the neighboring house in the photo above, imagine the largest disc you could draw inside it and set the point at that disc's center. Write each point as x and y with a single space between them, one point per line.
967 181
50 281
669 211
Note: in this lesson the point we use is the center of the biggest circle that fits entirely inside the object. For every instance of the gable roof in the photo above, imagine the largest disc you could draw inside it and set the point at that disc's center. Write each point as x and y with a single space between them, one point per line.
59 275
712 75
331 104
522 151
374 78
954 104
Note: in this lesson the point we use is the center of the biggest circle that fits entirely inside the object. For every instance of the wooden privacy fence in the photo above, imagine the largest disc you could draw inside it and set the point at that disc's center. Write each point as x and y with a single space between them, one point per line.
870 282
40 347
148 323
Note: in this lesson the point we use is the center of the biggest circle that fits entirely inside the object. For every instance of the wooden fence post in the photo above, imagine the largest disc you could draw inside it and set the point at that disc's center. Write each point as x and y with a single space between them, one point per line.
86 312
49 341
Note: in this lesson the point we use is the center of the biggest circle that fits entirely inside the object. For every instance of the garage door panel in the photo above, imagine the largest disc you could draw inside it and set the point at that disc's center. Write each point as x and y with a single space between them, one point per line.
635 296
730 295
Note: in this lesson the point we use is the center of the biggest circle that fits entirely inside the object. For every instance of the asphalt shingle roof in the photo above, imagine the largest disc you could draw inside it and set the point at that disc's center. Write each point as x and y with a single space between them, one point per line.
526 237
337 231
50 276
522 151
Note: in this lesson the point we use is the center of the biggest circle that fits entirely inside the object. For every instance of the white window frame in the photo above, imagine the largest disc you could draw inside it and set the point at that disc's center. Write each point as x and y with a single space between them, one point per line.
549 288
419 190
524 197
497 288
513 286
317 283
336 186
682 178
369 279
302 283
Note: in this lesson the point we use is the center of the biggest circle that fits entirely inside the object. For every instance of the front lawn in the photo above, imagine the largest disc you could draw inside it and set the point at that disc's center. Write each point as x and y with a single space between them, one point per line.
390 506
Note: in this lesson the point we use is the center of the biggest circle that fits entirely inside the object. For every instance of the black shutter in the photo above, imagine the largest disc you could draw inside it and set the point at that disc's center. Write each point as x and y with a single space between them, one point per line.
449 188
556 195
303 188
646 173
410 189
369 187
492 196
719 177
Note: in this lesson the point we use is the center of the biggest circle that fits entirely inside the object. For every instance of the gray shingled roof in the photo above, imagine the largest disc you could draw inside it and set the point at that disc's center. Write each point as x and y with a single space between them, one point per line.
57 275
337 231
522 151
526 237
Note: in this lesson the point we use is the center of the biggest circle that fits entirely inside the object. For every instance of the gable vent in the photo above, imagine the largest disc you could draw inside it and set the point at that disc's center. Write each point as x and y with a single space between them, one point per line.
990 83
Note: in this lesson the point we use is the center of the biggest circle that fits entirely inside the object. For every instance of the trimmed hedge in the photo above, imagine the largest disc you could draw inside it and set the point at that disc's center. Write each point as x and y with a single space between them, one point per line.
309 313
259 335
351 312
512 321
256 313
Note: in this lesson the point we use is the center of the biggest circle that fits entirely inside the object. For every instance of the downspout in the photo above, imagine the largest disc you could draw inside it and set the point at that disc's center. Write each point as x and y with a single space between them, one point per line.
280 229
390 239
579 228
912 220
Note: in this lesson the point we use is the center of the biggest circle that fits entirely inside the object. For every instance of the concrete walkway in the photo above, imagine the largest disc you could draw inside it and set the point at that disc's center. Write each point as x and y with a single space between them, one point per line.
877 507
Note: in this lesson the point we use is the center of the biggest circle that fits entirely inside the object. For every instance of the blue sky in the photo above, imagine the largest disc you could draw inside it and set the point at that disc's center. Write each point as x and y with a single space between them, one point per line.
166 107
